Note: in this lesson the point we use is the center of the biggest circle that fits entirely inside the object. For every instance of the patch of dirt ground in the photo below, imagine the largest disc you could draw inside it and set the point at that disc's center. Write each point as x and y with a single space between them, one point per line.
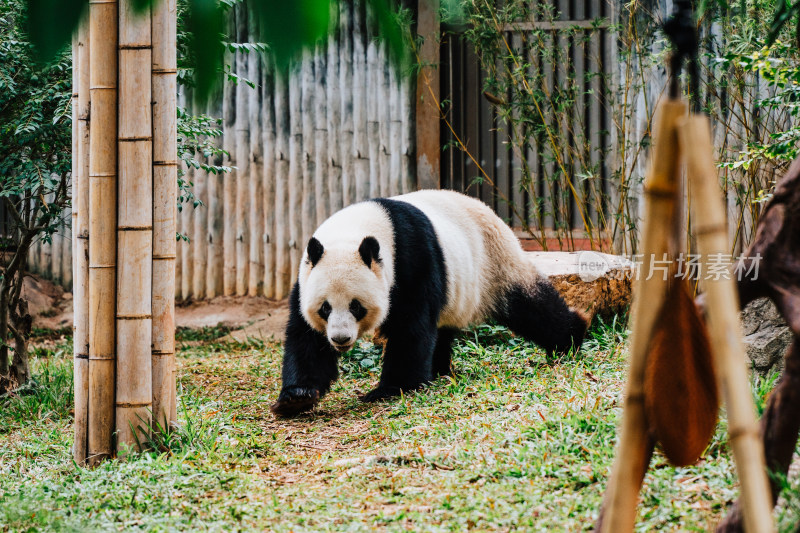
248 316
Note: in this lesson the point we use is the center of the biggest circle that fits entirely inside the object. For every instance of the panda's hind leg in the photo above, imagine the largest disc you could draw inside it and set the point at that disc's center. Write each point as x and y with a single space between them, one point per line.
539 314
443 351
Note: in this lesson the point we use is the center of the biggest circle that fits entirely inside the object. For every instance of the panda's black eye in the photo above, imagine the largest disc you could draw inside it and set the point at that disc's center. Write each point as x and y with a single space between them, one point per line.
357 310
325 310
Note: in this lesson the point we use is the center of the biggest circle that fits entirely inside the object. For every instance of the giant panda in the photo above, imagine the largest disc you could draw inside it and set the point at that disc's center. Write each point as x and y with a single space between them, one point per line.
415 269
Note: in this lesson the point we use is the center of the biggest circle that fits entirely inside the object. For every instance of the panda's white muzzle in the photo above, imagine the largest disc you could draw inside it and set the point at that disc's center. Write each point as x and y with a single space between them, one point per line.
342 330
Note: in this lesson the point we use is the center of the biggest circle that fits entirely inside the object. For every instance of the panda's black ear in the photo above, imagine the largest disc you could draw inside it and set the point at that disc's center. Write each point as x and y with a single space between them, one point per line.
315 251
369 250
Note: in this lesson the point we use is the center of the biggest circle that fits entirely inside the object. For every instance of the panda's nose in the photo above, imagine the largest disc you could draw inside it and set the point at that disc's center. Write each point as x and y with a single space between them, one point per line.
341 339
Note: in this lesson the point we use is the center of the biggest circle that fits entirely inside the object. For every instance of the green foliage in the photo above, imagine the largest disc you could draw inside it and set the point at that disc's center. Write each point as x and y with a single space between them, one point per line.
35 126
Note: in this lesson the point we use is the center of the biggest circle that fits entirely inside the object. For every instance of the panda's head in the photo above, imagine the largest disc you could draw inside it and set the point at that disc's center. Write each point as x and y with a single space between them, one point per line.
343 290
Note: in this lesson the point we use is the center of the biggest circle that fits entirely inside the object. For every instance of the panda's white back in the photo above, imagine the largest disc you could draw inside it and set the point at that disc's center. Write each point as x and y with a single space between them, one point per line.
482 255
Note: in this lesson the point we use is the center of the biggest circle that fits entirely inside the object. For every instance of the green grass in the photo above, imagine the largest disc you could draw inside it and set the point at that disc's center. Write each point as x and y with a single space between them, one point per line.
513 441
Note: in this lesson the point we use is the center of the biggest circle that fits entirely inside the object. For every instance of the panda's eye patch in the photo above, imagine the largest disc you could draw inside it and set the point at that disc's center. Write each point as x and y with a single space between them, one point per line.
357 310
325 310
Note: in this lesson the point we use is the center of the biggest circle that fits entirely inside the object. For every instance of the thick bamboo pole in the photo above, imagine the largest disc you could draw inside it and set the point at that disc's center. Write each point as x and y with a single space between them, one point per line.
359 89
134 229
295 184
321 132
346 93
268 207
635 446
102 224
334 118
229 189
242 174
216 218
165 191
80 224
282 259
256 196
309 215
722 307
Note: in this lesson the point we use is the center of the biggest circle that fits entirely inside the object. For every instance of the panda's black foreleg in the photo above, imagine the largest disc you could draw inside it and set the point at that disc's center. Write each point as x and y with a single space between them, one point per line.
539 314
310 364
442 352
407 360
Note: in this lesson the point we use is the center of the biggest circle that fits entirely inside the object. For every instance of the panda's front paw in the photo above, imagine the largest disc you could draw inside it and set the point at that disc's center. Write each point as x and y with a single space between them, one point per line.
381 392
294 400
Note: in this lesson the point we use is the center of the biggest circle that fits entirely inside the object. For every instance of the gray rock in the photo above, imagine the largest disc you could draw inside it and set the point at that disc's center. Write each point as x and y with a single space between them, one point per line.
766 336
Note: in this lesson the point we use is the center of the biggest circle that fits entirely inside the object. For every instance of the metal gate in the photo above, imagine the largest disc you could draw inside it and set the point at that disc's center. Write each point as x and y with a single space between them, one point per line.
580 29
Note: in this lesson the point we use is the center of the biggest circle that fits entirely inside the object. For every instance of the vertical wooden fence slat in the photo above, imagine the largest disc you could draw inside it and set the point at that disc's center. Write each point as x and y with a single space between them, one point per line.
373 125
395 132
334 111
360 103
282 133
242 175
215 194
345 140
229 94
102 225
385 120
256 197
198 248
165 191
309 163
270 166
295 185
321 131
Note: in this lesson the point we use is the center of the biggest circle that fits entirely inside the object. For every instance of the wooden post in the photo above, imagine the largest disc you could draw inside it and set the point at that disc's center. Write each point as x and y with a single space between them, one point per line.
256 195
80 235
428 144
242 174
102 224
165 191
635 446
134 228
722 307
268 90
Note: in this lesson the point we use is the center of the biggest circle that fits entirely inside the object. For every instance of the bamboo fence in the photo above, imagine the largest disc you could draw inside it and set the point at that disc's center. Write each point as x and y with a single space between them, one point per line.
336 128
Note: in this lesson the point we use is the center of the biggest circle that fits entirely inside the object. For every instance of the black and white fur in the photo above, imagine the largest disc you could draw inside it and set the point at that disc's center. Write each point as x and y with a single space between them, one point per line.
415 268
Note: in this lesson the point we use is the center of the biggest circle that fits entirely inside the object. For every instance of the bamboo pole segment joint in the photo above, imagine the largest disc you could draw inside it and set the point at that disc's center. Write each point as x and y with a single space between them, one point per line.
134 139
135 317
135 47
134 228
708 229
137 404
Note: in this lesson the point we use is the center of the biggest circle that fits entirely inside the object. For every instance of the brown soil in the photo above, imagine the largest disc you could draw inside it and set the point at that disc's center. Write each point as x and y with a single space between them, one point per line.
249 316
